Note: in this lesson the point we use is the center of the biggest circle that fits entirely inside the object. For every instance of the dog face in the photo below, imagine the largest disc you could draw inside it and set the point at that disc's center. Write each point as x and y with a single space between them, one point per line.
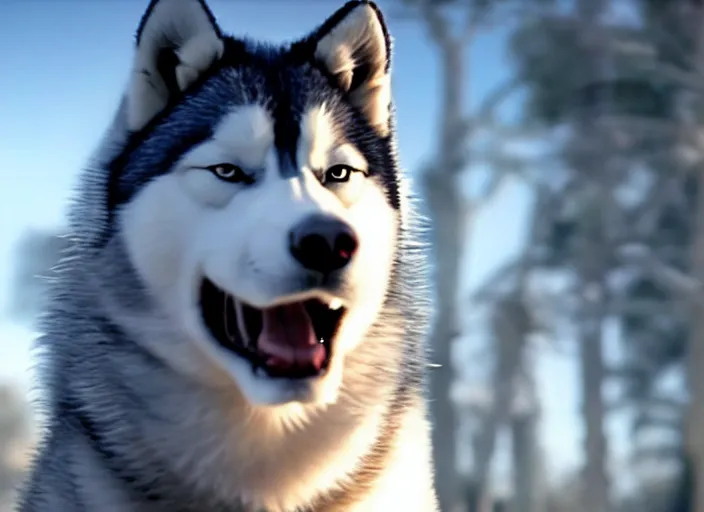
258 196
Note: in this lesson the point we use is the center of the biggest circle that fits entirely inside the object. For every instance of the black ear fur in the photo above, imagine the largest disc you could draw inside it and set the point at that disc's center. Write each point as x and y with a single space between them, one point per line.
339 15
153 3
354 47
176 42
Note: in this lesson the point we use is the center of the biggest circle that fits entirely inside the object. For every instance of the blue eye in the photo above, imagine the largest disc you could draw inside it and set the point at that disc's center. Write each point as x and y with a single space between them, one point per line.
230 173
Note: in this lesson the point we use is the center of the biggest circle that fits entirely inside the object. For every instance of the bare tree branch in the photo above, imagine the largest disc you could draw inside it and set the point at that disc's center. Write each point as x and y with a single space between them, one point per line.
476 17
678 282
438 26
500 93
692 81
488 289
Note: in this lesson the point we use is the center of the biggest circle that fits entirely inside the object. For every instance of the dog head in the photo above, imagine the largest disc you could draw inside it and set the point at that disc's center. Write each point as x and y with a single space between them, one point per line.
256 194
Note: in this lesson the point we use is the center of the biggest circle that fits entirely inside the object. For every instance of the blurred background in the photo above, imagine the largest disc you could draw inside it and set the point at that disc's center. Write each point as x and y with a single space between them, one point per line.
558 148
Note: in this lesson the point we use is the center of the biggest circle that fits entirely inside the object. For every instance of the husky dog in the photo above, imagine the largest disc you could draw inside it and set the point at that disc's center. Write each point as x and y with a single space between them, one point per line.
238 322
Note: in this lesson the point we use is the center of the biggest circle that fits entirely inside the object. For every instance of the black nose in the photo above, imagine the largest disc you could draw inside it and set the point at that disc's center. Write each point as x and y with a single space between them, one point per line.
322 243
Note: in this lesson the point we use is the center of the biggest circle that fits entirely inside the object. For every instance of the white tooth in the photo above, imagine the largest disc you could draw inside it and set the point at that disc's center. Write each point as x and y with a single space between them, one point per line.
229 335
335 304
240 323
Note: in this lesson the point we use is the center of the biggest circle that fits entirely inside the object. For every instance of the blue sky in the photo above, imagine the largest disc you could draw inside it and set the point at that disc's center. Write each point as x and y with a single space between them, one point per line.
64 66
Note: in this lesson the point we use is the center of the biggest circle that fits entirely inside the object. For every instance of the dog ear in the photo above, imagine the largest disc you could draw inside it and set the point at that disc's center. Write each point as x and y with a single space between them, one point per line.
177 40
355 47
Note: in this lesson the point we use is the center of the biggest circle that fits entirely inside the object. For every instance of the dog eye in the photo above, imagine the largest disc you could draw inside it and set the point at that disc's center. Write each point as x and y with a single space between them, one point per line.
338 173
230 173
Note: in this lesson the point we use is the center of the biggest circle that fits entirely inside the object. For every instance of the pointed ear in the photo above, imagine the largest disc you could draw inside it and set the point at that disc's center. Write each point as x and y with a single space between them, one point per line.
355 46
177 40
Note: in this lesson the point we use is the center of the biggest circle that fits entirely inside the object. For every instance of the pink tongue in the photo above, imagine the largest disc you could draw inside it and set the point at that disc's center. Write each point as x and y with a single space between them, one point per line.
288 339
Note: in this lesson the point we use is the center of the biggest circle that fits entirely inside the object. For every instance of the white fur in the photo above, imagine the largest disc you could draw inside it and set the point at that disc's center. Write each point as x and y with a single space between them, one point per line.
245 136
405 484
318 149
318 135
361 33
185 24
238 238
273 458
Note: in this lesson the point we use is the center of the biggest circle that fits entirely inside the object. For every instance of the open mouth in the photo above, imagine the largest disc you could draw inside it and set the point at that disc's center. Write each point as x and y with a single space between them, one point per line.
291 341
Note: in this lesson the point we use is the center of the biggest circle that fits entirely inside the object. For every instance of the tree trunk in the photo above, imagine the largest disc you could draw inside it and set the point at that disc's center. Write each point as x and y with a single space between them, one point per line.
694 427
448 231
450 224
596 488
509 326
528 482
694 440
592 267
526 464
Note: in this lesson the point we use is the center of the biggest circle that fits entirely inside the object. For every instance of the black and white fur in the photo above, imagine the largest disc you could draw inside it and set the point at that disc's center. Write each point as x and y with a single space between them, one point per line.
144 411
